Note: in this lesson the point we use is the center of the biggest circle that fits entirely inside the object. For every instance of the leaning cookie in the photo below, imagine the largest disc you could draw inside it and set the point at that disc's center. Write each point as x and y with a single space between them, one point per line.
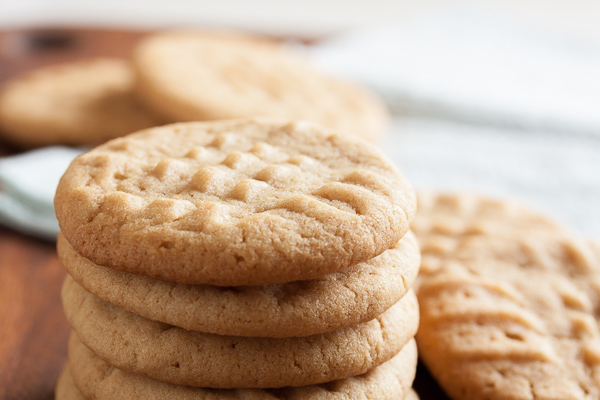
514 318
230 203
334 301
183 357
83 102
198 76
102 381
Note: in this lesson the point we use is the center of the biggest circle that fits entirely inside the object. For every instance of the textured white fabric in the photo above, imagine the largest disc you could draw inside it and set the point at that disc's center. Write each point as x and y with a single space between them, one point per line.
555 173
27 185
473 67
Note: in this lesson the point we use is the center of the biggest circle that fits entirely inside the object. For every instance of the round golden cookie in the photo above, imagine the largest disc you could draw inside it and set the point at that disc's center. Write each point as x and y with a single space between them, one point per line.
514 318
230 203
334 301
102 381
198 76
444 219
183 357
83 102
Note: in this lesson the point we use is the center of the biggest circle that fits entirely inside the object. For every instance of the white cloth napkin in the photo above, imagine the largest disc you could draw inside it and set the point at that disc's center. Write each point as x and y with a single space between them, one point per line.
27 185
557 174
473 67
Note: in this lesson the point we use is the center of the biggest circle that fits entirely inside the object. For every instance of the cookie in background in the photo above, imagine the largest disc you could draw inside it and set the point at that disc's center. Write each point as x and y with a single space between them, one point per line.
205 75
79 103
509 301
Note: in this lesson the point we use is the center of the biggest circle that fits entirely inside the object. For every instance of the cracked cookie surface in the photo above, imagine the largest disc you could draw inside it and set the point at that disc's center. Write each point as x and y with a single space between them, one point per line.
230 203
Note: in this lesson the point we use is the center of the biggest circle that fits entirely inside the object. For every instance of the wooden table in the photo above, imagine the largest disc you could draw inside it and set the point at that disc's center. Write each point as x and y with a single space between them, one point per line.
33 329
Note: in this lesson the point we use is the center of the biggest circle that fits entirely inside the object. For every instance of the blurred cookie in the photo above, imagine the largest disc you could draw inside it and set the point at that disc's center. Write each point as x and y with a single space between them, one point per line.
99 380
334 301
445 219
197 76
513 317
230 203
183 357
84 102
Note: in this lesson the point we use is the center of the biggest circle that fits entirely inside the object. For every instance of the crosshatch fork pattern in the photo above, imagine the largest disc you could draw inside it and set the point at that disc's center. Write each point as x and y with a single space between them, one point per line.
509 303
230 203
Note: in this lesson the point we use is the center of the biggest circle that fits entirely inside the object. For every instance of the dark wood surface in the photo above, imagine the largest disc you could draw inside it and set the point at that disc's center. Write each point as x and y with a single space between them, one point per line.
33 329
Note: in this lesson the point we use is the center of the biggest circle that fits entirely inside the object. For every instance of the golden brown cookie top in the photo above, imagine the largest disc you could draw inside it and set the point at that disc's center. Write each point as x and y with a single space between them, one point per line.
83 102
199 75
238 202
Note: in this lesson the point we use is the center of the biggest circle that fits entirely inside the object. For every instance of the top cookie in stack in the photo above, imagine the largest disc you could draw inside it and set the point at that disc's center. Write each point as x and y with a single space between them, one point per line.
239 254
233 203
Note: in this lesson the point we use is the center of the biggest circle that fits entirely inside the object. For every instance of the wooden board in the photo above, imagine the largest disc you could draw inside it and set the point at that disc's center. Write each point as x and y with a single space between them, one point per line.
33 329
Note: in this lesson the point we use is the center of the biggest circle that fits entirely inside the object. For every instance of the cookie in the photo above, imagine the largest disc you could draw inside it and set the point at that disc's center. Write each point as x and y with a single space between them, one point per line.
230 203
100 380
199 76
83 102
183 357
66 388
514 317
444 219
304 308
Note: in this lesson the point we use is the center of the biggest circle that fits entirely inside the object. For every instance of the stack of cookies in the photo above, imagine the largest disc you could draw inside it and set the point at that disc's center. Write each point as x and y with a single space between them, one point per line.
240 259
